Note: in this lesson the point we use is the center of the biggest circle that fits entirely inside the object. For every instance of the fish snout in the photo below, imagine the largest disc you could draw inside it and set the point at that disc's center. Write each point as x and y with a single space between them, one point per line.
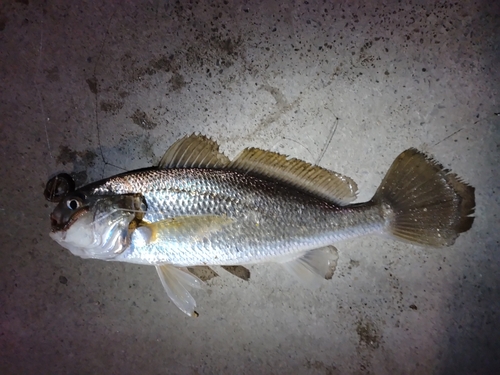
55 221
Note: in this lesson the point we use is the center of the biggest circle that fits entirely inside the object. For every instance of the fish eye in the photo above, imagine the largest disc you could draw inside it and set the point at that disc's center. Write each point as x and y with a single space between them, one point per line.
73 204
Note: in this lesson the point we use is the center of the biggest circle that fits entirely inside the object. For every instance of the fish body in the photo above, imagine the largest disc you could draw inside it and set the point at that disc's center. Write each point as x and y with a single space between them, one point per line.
260 220
198 208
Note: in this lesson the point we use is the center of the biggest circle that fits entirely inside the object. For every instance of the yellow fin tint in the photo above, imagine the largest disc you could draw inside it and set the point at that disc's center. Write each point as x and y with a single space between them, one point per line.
198 151
195 227
194 151
315 180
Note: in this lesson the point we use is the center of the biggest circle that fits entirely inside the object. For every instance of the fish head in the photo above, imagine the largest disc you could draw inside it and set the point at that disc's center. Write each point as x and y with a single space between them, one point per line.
95 226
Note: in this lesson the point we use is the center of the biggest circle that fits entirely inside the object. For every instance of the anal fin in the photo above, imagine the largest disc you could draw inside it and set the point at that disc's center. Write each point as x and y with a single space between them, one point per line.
176 283
313 266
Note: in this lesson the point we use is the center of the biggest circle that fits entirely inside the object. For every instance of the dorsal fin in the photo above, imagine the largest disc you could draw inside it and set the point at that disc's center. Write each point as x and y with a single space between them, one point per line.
194 151
318 181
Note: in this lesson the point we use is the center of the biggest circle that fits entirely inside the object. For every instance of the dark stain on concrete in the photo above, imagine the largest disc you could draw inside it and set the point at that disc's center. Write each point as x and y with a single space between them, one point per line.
3 23
227 45
163 63
143 120
177 82
353 264
134 72
368 334
52 74
320 366
215 52
111 106
67 155
92 82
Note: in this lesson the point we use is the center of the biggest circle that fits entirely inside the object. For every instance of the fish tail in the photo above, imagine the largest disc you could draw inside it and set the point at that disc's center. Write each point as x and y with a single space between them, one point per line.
423 202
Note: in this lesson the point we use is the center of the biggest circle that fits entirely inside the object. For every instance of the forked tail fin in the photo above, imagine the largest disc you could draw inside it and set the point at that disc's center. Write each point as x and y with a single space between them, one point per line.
423 202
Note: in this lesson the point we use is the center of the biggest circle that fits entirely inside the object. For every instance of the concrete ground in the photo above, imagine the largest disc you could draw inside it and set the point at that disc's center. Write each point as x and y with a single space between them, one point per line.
95 88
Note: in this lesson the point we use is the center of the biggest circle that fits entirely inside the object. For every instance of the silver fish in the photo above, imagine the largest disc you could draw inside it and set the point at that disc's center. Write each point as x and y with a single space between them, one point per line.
199 208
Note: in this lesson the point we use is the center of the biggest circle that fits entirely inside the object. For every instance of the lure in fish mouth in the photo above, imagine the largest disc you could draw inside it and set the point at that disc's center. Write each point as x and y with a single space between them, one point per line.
198 208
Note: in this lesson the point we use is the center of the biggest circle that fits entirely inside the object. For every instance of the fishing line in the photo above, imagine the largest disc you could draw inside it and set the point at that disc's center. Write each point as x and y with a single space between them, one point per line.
105 216
39 94
96 95
333 129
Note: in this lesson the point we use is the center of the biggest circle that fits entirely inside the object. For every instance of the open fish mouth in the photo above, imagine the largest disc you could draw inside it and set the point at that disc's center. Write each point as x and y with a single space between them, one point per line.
56 224
92 233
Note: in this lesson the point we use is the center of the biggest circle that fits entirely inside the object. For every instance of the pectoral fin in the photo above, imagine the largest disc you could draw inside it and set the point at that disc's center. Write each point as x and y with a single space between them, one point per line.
313 266
194 227
176 283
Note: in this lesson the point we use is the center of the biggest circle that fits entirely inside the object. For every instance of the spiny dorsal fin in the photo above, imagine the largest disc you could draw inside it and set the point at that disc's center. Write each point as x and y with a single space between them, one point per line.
318 181
194 151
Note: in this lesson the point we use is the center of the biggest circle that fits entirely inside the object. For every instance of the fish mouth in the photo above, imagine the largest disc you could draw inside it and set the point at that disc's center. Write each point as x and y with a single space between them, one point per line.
57 226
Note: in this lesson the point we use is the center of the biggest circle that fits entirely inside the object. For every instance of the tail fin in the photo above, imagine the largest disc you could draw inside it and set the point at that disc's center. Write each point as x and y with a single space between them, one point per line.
425 203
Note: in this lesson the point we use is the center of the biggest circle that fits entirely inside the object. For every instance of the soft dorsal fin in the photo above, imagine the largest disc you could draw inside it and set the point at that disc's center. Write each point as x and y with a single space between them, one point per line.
194 151
318 181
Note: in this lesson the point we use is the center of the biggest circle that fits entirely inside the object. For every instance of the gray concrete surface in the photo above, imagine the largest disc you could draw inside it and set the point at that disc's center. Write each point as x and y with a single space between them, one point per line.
94 88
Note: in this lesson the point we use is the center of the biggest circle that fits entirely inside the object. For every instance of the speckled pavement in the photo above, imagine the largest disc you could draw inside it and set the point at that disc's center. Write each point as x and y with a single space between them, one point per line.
95 88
